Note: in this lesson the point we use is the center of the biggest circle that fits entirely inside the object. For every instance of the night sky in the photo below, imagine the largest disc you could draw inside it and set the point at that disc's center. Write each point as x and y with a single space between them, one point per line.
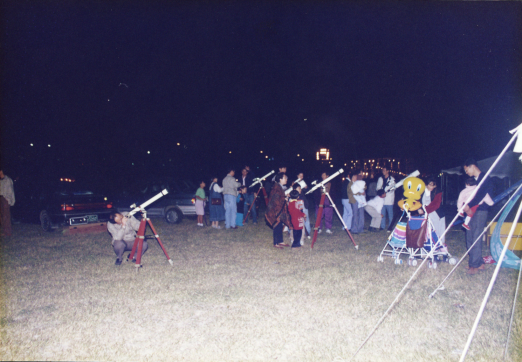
104 82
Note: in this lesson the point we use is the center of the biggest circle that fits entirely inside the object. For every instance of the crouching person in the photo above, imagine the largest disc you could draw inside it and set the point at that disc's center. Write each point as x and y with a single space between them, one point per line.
123 231
374 208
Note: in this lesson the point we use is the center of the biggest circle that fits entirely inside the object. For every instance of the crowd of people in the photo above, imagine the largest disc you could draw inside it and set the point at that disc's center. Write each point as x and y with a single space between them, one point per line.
288 208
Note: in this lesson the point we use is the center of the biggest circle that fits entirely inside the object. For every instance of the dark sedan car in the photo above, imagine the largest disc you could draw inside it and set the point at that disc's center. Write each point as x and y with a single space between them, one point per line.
178 203
61 203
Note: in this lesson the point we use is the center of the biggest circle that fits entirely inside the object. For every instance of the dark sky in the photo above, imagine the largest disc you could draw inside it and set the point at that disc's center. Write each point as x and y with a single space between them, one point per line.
104 82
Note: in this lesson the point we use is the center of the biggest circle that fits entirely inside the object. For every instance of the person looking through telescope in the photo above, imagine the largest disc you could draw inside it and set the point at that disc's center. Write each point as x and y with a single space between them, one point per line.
327 208
247 178
123 231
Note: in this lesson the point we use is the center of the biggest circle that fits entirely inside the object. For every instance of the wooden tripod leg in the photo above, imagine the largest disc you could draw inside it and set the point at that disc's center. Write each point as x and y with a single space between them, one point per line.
318 220
159 242
253 205
139 236
265 195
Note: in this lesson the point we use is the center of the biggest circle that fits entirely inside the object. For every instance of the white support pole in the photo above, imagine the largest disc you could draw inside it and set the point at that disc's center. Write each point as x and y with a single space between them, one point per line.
490 287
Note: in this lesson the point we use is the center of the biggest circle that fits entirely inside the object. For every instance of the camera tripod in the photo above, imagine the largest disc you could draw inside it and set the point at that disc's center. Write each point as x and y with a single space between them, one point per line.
320 215
140 237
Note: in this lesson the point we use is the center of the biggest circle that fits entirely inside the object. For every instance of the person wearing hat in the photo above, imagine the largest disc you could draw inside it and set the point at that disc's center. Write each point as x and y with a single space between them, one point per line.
297 217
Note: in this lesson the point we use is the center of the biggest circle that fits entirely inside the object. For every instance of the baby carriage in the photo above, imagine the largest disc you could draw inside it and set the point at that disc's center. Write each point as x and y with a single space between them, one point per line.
415 236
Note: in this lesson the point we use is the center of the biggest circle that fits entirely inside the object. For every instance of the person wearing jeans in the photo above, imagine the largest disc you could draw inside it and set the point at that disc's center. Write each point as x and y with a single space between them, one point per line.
230 186
347 208
247 179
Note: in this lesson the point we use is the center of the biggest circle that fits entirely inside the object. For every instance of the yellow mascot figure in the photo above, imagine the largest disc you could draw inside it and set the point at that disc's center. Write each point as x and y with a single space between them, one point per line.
413 189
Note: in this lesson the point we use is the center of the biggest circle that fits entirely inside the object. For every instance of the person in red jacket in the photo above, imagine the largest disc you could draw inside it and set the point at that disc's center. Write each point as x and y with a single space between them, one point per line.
431 199
297 217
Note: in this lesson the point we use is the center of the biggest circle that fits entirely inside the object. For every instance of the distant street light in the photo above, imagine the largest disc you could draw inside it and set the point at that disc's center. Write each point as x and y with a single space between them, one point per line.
48 145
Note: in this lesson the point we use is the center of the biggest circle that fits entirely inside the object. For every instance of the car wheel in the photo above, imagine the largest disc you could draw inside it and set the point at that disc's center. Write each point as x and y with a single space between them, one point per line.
45 221
173 216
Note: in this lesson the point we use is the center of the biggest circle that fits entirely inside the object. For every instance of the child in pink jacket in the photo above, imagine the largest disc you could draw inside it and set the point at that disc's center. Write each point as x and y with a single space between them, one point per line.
471 185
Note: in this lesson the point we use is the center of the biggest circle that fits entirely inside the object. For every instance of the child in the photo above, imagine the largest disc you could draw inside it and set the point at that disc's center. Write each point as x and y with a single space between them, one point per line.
240 201
471 185
303 204
297 217
358 192
200 202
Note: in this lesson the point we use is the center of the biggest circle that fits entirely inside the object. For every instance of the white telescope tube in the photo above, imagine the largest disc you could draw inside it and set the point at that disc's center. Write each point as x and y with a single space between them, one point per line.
399 184
289 189
325 181
147 203
259 179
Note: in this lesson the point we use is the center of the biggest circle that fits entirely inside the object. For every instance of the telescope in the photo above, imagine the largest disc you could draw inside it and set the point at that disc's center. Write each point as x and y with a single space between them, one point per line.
142 207
289 189
399 184
258 180
325 181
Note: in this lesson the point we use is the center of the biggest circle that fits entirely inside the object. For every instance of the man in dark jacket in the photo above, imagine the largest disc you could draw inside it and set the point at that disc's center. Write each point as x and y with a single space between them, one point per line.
478 222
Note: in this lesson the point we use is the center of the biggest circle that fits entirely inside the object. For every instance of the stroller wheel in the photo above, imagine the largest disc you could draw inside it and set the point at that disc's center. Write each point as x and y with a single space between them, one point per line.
452 261
434 266
414 262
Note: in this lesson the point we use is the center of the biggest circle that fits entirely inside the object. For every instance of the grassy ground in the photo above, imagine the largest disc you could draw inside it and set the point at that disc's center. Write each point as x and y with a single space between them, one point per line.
231 296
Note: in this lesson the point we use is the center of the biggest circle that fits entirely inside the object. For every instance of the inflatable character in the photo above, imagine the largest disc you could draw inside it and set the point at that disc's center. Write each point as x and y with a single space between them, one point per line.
413 190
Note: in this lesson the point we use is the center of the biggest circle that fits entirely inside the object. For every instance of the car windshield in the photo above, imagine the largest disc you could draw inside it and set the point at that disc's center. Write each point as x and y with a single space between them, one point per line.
172 186
77 188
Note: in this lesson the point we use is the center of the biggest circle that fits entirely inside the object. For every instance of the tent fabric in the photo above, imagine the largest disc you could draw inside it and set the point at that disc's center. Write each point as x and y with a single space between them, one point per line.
508 166
510 259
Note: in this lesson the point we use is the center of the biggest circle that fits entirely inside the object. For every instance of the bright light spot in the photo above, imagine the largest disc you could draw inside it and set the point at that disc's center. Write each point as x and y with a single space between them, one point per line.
306 119
230 152
105 199
302 159
148 152
260 151
48 145
31 145
133 164
298 155
266 156
331 165
177 143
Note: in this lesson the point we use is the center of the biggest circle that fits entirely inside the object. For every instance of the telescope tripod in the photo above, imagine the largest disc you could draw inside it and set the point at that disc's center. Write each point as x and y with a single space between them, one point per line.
254 202
320 215
140 237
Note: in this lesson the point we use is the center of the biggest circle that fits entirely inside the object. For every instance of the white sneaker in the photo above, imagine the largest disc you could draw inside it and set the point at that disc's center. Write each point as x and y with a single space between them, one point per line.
200 224
319 231
308 236
328 231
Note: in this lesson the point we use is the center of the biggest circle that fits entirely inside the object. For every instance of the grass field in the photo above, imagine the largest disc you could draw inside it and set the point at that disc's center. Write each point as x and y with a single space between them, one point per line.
231 296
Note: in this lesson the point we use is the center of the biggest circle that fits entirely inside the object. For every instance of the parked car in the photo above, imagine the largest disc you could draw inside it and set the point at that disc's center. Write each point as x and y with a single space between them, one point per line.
174 206
61 202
